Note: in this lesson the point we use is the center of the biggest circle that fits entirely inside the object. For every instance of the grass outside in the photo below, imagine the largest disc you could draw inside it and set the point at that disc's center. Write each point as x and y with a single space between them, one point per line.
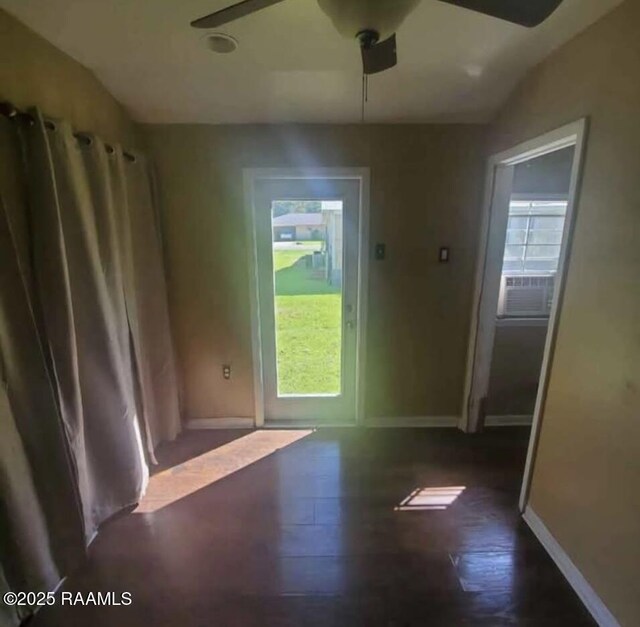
308 324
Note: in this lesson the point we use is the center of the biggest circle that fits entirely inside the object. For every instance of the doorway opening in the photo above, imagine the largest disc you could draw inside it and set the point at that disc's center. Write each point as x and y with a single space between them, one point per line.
527 228
308 234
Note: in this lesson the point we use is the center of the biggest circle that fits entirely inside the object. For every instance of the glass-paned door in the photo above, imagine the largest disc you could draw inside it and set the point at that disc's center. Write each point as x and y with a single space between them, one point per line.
307 251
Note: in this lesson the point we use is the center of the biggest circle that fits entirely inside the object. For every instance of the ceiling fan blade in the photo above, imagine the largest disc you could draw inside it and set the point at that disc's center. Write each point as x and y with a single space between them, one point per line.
234 12
528 13
380 56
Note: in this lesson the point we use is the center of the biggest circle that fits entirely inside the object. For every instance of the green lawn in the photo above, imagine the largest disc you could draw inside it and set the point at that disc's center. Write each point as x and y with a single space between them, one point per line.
308 325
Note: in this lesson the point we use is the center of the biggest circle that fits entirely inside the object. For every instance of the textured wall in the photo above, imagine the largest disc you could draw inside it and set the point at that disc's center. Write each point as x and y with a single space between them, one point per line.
586 483
426 184
34 72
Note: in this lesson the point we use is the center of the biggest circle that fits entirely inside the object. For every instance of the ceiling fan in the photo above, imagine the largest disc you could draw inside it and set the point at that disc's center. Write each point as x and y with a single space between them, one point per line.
374 22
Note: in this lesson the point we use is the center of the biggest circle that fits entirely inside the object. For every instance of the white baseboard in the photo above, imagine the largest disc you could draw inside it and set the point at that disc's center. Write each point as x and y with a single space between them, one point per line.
412 421
587 594
220 423
303 424
400 421
390 421
514 420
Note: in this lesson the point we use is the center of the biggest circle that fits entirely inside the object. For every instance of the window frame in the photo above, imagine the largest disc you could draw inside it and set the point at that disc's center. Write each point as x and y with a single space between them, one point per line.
542 212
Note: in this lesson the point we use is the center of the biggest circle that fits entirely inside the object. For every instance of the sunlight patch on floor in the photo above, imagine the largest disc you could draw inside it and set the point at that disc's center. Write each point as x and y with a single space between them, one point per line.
184 479
430 499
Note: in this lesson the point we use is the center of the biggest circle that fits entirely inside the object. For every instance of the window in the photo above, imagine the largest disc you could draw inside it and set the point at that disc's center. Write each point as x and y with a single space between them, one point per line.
534 237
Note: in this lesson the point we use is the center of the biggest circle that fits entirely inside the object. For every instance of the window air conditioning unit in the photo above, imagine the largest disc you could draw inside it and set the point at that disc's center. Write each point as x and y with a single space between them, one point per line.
526 296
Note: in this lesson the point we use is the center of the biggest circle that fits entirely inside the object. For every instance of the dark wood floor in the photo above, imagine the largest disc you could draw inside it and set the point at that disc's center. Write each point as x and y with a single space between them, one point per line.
310 536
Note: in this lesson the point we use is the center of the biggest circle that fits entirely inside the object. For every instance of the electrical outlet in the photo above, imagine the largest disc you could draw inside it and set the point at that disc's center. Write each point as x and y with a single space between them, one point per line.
226 371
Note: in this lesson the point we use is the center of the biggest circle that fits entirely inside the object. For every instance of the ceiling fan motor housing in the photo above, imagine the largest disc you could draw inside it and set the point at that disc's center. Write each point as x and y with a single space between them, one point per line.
351 18
368 38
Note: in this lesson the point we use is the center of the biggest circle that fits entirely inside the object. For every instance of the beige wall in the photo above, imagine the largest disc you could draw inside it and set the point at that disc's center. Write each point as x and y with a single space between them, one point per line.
586 483
426 189
34 72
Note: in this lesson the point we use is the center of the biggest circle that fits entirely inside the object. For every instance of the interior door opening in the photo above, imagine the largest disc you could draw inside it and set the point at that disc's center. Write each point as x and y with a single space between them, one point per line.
531 197
535 227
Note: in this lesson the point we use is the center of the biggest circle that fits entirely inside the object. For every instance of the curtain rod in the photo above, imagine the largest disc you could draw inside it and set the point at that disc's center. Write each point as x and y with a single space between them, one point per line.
12 112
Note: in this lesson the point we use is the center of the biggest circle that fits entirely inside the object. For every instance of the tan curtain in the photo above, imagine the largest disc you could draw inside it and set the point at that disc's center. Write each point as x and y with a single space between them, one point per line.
25 542
41 532
86 359
8 614
80 291
147 299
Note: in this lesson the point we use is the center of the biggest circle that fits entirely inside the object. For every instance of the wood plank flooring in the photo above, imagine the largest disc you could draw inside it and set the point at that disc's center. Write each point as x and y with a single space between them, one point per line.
314 535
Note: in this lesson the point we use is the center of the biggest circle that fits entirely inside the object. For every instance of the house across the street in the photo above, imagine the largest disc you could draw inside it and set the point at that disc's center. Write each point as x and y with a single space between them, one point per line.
298 227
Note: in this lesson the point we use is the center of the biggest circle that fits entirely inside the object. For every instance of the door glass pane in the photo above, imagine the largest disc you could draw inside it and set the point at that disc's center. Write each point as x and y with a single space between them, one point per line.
307 264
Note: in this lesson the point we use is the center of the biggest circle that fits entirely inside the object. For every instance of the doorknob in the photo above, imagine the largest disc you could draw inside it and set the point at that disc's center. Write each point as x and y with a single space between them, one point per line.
351 324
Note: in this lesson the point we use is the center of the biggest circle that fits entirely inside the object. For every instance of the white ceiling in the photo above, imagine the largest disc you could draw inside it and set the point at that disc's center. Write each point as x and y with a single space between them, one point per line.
291 65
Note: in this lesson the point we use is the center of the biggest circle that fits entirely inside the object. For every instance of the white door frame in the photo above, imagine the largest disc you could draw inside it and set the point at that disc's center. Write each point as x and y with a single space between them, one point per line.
250 176
490 253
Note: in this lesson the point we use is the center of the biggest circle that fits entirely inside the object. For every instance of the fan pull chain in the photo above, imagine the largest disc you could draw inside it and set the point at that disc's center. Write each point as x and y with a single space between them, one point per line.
365 94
